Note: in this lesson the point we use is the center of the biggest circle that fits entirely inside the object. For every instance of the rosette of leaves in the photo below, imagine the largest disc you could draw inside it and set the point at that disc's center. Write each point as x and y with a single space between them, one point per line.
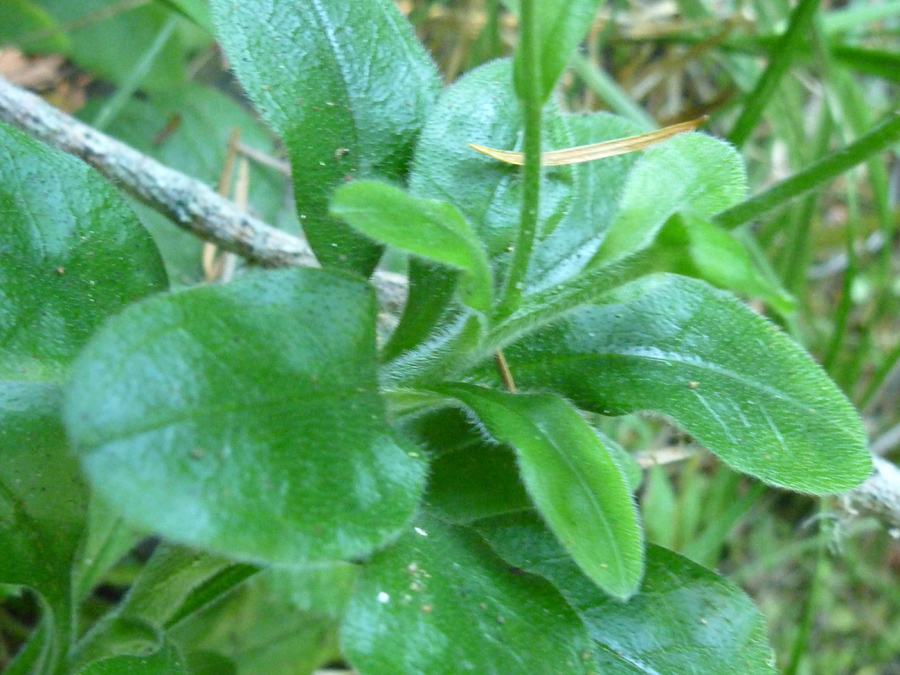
258 425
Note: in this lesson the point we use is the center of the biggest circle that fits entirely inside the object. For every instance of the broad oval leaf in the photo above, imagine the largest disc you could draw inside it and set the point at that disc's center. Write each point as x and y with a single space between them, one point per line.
440 602
691 173
245 419
346 85
724 374
71 254
426 227
684 620
575 484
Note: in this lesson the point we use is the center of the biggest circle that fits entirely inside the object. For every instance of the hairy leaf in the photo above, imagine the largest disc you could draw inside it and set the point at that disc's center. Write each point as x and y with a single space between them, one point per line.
425 227
685 620
598 185
440 602
481 107
691 173
346 85
729 377
571 478
245 419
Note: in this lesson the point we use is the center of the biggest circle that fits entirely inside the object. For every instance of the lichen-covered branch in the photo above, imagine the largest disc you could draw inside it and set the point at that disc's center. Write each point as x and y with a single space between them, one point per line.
188 202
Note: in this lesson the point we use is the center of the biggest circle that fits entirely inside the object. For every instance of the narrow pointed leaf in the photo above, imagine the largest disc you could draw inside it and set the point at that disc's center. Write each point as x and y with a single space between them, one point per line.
346 85
245 419
440 602
725 262
691 173
425 227
684 620
724 374
571 478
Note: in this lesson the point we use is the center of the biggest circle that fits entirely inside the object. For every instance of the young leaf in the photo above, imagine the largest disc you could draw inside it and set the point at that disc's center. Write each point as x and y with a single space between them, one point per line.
425 227
691 173
561 25
725 262
346 85
482 107
727 376
165 661
67 235
684 619
440 602
572 480
245 419
598 185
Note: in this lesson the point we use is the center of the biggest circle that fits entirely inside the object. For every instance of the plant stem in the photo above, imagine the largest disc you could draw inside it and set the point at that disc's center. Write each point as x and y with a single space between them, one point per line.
114 106
809 609
781 56
532 104
814 176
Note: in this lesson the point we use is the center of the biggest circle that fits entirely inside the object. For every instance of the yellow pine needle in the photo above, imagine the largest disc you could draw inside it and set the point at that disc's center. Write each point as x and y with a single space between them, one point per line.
587 153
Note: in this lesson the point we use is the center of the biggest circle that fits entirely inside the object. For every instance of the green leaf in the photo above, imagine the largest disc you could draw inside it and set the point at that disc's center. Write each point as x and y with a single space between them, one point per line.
571 478
440 602
690 173
561 25
71 254
189 128
725 262
171 575
43 504
725 375
165 661
469 477
346 85
245 419
283 621
425 227
481 107
36 656
598 186
431 290
685 620
106 540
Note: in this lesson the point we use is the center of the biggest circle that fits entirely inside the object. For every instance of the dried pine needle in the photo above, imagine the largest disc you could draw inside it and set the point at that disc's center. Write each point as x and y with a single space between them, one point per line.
587 153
